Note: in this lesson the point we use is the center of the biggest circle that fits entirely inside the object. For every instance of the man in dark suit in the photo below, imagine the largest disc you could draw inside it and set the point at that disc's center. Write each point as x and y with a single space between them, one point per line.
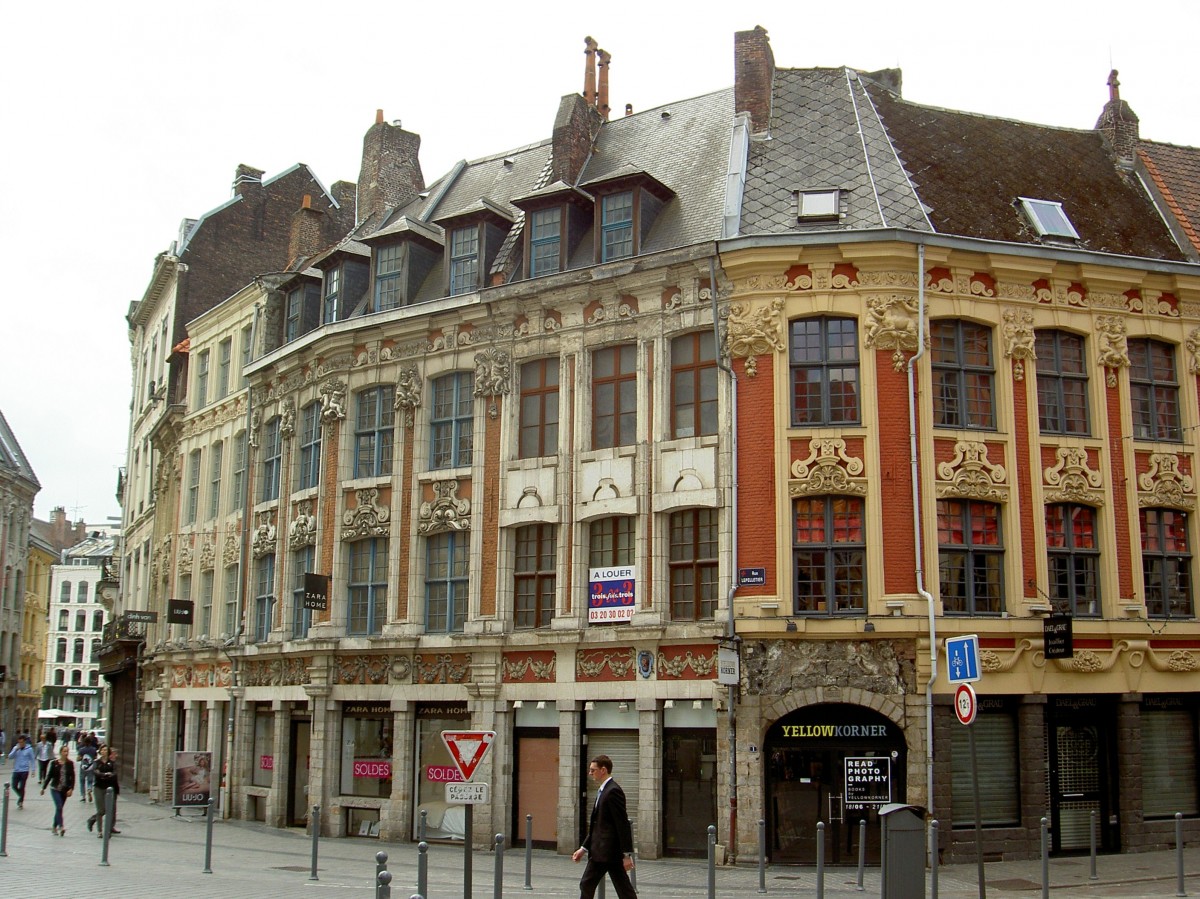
609 842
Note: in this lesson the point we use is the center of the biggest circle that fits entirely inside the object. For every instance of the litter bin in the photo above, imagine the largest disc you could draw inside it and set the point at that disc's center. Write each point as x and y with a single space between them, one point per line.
902 851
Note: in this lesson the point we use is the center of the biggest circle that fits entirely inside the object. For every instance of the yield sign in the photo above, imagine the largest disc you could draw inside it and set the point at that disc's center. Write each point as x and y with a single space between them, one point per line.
467 748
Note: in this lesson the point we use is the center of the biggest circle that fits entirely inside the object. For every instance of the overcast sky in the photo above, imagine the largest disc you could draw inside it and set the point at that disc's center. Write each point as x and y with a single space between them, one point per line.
122 118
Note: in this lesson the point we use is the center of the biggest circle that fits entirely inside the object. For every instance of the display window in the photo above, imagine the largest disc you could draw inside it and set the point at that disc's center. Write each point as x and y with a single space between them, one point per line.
435 768
366 749
264 746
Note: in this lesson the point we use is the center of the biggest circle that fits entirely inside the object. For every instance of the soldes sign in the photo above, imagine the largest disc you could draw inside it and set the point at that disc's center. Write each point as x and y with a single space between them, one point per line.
372 768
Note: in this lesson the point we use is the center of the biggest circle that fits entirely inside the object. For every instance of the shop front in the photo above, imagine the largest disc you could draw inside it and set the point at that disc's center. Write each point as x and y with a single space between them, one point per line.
535 774
434 769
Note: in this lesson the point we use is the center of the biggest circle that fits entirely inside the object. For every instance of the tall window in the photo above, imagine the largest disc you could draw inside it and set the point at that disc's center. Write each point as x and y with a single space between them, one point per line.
464 260
231 620
77 652
545 241
333 288
216 457
64 592
310 445
97 621
829 555
368 586
693 564
1166 563
206 602
387 277
60 651
201 380
1154 390
824 369
237 496
616 226
610 541
294 314
539 408
247 350
193 494
272 449
970 557
80 621
694 385
374 431
185 593
224 366
303 562
963 376
264 596
614 396
1062 383
82 593
446 581
1074 558
534 575
451 420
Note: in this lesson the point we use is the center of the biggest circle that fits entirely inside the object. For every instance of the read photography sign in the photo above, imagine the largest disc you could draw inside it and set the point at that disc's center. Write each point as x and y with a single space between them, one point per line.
868 781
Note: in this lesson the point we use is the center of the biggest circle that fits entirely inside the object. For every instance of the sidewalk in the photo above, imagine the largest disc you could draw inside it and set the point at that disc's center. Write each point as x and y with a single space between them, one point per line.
158 851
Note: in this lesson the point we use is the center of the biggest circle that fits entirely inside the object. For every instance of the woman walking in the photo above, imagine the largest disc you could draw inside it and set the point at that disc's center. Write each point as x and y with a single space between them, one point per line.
60 778
105 771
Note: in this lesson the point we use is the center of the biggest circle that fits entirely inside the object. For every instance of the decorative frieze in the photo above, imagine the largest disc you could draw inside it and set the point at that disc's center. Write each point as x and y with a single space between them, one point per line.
1192 342
891 324
361 669
971 475
493 376
1071 479
183 559
232 551
686 663
265 540
448 668
302 531
590 664
751 332
1019 340
367 518
828 469
284 672
446 512
1164 484
527 667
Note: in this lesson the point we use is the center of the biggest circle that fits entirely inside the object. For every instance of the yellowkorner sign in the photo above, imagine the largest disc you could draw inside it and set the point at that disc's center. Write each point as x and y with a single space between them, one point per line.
803 731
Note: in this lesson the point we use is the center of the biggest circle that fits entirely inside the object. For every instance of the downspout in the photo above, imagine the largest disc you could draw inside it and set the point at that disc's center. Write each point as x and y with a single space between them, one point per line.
731 632
917 541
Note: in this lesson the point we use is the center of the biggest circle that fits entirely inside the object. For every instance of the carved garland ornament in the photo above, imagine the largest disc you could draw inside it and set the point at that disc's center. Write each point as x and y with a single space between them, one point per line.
446 512
702 665
1113 349
892 325
1072 480
265 538
367 518
408 394
592 664
971 475
362 669
1019 342
516 670
749 333
1165 485
493 376
827 470
302 531
442 669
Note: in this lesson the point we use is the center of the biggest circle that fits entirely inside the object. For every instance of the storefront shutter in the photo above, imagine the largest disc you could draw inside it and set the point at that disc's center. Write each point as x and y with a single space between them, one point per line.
1168 763
999 780
622 748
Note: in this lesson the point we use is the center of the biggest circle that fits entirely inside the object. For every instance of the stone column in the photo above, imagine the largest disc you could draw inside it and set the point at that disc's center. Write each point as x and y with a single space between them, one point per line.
647 829
395 819
323 752
277 802
241 758
570 736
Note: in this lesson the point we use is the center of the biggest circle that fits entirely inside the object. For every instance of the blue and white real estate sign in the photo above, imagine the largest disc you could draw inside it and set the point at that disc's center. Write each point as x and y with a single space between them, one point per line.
611 594
962 659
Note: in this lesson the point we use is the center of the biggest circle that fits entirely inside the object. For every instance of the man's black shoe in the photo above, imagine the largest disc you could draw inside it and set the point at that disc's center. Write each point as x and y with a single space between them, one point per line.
91 823
114 830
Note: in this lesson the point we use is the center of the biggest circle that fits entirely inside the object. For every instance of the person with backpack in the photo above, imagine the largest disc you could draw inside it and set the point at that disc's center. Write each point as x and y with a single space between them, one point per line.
60 778
87 768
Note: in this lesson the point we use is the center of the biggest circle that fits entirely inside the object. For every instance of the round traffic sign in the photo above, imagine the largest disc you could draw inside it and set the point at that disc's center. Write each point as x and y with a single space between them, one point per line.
966 704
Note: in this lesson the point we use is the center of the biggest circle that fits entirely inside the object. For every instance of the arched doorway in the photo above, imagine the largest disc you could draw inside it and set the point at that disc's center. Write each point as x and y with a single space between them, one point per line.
812 757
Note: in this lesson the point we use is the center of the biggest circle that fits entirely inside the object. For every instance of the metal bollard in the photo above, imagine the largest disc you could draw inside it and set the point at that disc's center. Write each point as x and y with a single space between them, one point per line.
380 866
423 868
529 852
933 859
762 855
384 888
862 853
110 811
316 834
820 860
1045 859
4 823
421 826
498 883
1092 840
1179 890
712 861
208 825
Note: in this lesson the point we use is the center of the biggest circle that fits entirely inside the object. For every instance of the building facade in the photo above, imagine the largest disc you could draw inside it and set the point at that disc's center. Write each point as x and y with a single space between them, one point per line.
18 486
527 447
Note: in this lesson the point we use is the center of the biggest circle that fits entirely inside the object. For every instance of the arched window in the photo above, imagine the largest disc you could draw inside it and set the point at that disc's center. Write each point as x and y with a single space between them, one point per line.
82 593
59 677
77 653
60 651
77 678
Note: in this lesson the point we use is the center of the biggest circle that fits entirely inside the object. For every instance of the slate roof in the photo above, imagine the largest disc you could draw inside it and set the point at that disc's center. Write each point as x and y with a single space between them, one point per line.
1175 173
13 462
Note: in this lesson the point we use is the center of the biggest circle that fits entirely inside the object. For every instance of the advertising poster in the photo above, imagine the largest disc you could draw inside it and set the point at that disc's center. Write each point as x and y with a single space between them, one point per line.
611 594
193 779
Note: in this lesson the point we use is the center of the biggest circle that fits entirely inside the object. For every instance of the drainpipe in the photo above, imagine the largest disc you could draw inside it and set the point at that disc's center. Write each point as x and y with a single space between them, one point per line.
917 541
732 637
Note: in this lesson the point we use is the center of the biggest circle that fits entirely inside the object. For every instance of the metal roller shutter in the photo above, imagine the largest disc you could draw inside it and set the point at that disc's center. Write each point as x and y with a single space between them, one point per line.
622 748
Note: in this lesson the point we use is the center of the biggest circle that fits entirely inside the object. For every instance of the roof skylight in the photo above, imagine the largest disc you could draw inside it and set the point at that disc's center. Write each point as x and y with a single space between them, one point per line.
1048 218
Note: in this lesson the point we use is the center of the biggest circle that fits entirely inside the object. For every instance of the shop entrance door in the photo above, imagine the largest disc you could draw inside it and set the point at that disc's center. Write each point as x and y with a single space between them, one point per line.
689 791
1081 779
297 805
808 787
537 789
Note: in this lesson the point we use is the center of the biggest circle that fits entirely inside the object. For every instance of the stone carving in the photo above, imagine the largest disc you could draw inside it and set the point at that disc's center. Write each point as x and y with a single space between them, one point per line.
971 474
333 401
289 672
362 669
591 663
287 423
446 512
208 555
776 668
702 665
265 539
183 559
1018 339
516 669
252 436
827 470
302 531
1163 484
493 376
750 333
367 518
408 393
442 669
1153 306
232 551
892 325
401 670
1193 347
1072 479
1113 350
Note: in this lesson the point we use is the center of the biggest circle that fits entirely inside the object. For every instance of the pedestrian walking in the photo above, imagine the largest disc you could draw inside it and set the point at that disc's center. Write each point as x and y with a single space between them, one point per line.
60 778
3 746
45 752
609 843
105 771
23 758
86 753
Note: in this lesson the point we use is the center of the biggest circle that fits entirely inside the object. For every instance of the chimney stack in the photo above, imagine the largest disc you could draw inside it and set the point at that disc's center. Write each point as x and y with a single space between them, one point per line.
391 170
305 238
589 71
602 95
754 75
246 178
1118 123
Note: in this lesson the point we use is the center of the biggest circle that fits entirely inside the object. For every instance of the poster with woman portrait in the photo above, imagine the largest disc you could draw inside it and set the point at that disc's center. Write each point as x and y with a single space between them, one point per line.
193 779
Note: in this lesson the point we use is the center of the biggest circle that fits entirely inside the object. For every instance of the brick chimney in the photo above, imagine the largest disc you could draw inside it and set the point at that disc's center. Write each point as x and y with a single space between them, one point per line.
391 170
754 74
1118 122
602 94
575 127
589 71
306 236
246 178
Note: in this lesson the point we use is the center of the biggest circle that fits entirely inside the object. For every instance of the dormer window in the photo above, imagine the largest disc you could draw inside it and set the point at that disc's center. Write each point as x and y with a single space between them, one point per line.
333 287
815 205
545 241
387 277
294 315
473 238
1048 218
464 260
616 226
627 205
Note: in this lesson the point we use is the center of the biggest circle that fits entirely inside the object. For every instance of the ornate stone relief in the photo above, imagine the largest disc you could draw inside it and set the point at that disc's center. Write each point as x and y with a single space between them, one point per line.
1193 347
1163 484
591 663
621 307
287 423
1018 338
208 555
362 669
971 475
367 518
183 559
493 376
446 512
516 669
442 669
252 436
1071 480
232 551
892 325
265 539
333 401
408 393
1113 350
302 531
750 333
702 665
1153 306
289 672
827 470
401 670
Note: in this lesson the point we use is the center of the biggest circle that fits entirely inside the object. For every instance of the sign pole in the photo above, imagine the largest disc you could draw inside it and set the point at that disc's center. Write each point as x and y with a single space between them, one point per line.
470 823
978 815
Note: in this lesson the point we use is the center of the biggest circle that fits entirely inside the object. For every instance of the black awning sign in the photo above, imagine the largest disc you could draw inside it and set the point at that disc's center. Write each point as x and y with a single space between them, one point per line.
1058 637
180 611
316 592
